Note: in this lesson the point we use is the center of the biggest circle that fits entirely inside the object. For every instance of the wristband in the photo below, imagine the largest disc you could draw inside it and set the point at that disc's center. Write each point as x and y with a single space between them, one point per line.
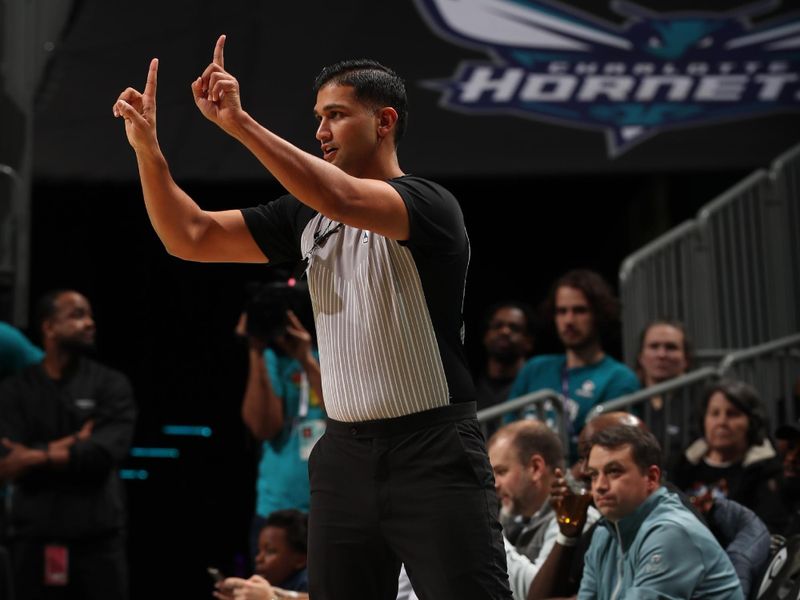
563 540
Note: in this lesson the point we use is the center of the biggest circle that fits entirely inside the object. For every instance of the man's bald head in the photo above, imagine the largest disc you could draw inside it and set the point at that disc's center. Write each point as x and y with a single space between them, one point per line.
524 456
602 422
529 437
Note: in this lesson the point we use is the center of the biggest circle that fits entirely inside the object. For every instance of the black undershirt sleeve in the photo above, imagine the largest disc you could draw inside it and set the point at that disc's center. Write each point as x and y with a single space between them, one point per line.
277 227
436 224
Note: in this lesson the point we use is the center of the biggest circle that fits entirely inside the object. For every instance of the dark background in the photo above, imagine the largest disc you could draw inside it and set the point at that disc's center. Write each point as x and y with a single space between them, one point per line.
169 325
275 50
538 199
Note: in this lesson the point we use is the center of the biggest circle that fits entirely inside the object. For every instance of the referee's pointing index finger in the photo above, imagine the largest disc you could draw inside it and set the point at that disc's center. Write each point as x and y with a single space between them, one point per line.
219 59
152 81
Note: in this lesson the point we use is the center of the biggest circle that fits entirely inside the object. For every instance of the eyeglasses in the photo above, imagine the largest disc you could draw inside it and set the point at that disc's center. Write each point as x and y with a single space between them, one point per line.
320 237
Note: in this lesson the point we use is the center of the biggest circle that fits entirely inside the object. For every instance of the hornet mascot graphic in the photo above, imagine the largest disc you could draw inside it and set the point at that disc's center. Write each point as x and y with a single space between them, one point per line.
652 72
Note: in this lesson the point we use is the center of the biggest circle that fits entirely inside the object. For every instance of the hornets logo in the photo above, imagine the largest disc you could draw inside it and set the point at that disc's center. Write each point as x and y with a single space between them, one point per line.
652 73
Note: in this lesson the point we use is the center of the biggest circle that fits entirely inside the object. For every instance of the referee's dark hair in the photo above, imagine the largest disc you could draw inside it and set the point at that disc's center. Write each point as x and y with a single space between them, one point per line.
373 83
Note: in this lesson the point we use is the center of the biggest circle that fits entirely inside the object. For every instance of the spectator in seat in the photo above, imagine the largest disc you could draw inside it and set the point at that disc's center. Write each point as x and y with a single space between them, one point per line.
282 405
583 310
508 341
523 456
280 563
734 458
648 544
665 352
743 535
66 425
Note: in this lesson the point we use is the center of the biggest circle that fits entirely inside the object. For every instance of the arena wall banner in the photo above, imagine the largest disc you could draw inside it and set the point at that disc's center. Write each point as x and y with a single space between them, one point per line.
652 73
496 87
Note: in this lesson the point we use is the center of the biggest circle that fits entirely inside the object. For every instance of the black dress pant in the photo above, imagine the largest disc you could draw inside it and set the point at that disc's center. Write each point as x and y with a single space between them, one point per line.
416 489
98 569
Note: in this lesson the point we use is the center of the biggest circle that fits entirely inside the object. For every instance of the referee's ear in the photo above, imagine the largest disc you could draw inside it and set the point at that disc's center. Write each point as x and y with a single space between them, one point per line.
387 119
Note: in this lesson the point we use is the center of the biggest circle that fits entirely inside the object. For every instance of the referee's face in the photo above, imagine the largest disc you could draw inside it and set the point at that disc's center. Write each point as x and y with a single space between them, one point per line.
348 129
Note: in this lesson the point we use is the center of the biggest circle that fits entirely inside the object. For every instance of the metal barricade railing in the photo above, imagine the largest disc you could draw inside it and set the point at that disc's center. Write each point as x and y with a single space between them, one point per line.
653 283
733 231
542 401
674 424
773 368
732 275
8 181
785 177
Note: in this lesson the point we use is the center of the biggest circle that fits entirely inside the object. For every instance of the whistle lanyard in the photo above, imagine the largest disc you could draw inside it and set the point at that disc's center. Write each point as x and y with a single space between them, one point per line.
319 240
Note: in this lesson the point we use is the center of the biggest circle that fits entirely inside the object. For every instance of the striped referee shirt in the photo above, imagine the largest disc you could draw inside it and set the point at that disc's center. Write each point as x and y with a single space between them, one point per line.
388 313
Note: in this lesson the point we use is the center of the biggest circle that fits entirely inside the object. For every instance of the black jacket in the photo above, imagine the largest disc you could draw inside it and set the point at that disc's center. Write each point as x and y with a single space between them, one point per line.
84 498
752 482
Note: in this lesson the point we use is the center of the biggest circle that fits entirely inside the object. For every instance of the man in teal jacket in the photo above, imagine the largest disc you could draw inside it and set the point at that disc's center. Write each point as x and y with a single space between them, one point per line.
584 312
648 544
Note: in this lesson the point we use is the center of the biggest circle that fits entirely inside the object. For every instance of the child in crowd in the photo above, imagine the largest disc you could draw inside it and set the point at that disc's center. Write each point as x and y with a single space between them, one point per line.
281 561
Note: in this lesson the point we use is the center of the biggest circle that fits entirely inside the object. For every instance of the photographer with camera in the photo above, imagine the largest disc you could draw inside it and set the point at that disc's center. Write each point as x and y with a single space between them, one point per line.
282 405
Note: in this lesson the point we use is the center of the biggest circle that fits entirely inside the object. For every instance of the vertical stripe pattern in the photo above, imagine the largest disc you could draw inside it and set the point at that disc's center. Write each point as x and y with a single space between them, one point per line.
378 350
